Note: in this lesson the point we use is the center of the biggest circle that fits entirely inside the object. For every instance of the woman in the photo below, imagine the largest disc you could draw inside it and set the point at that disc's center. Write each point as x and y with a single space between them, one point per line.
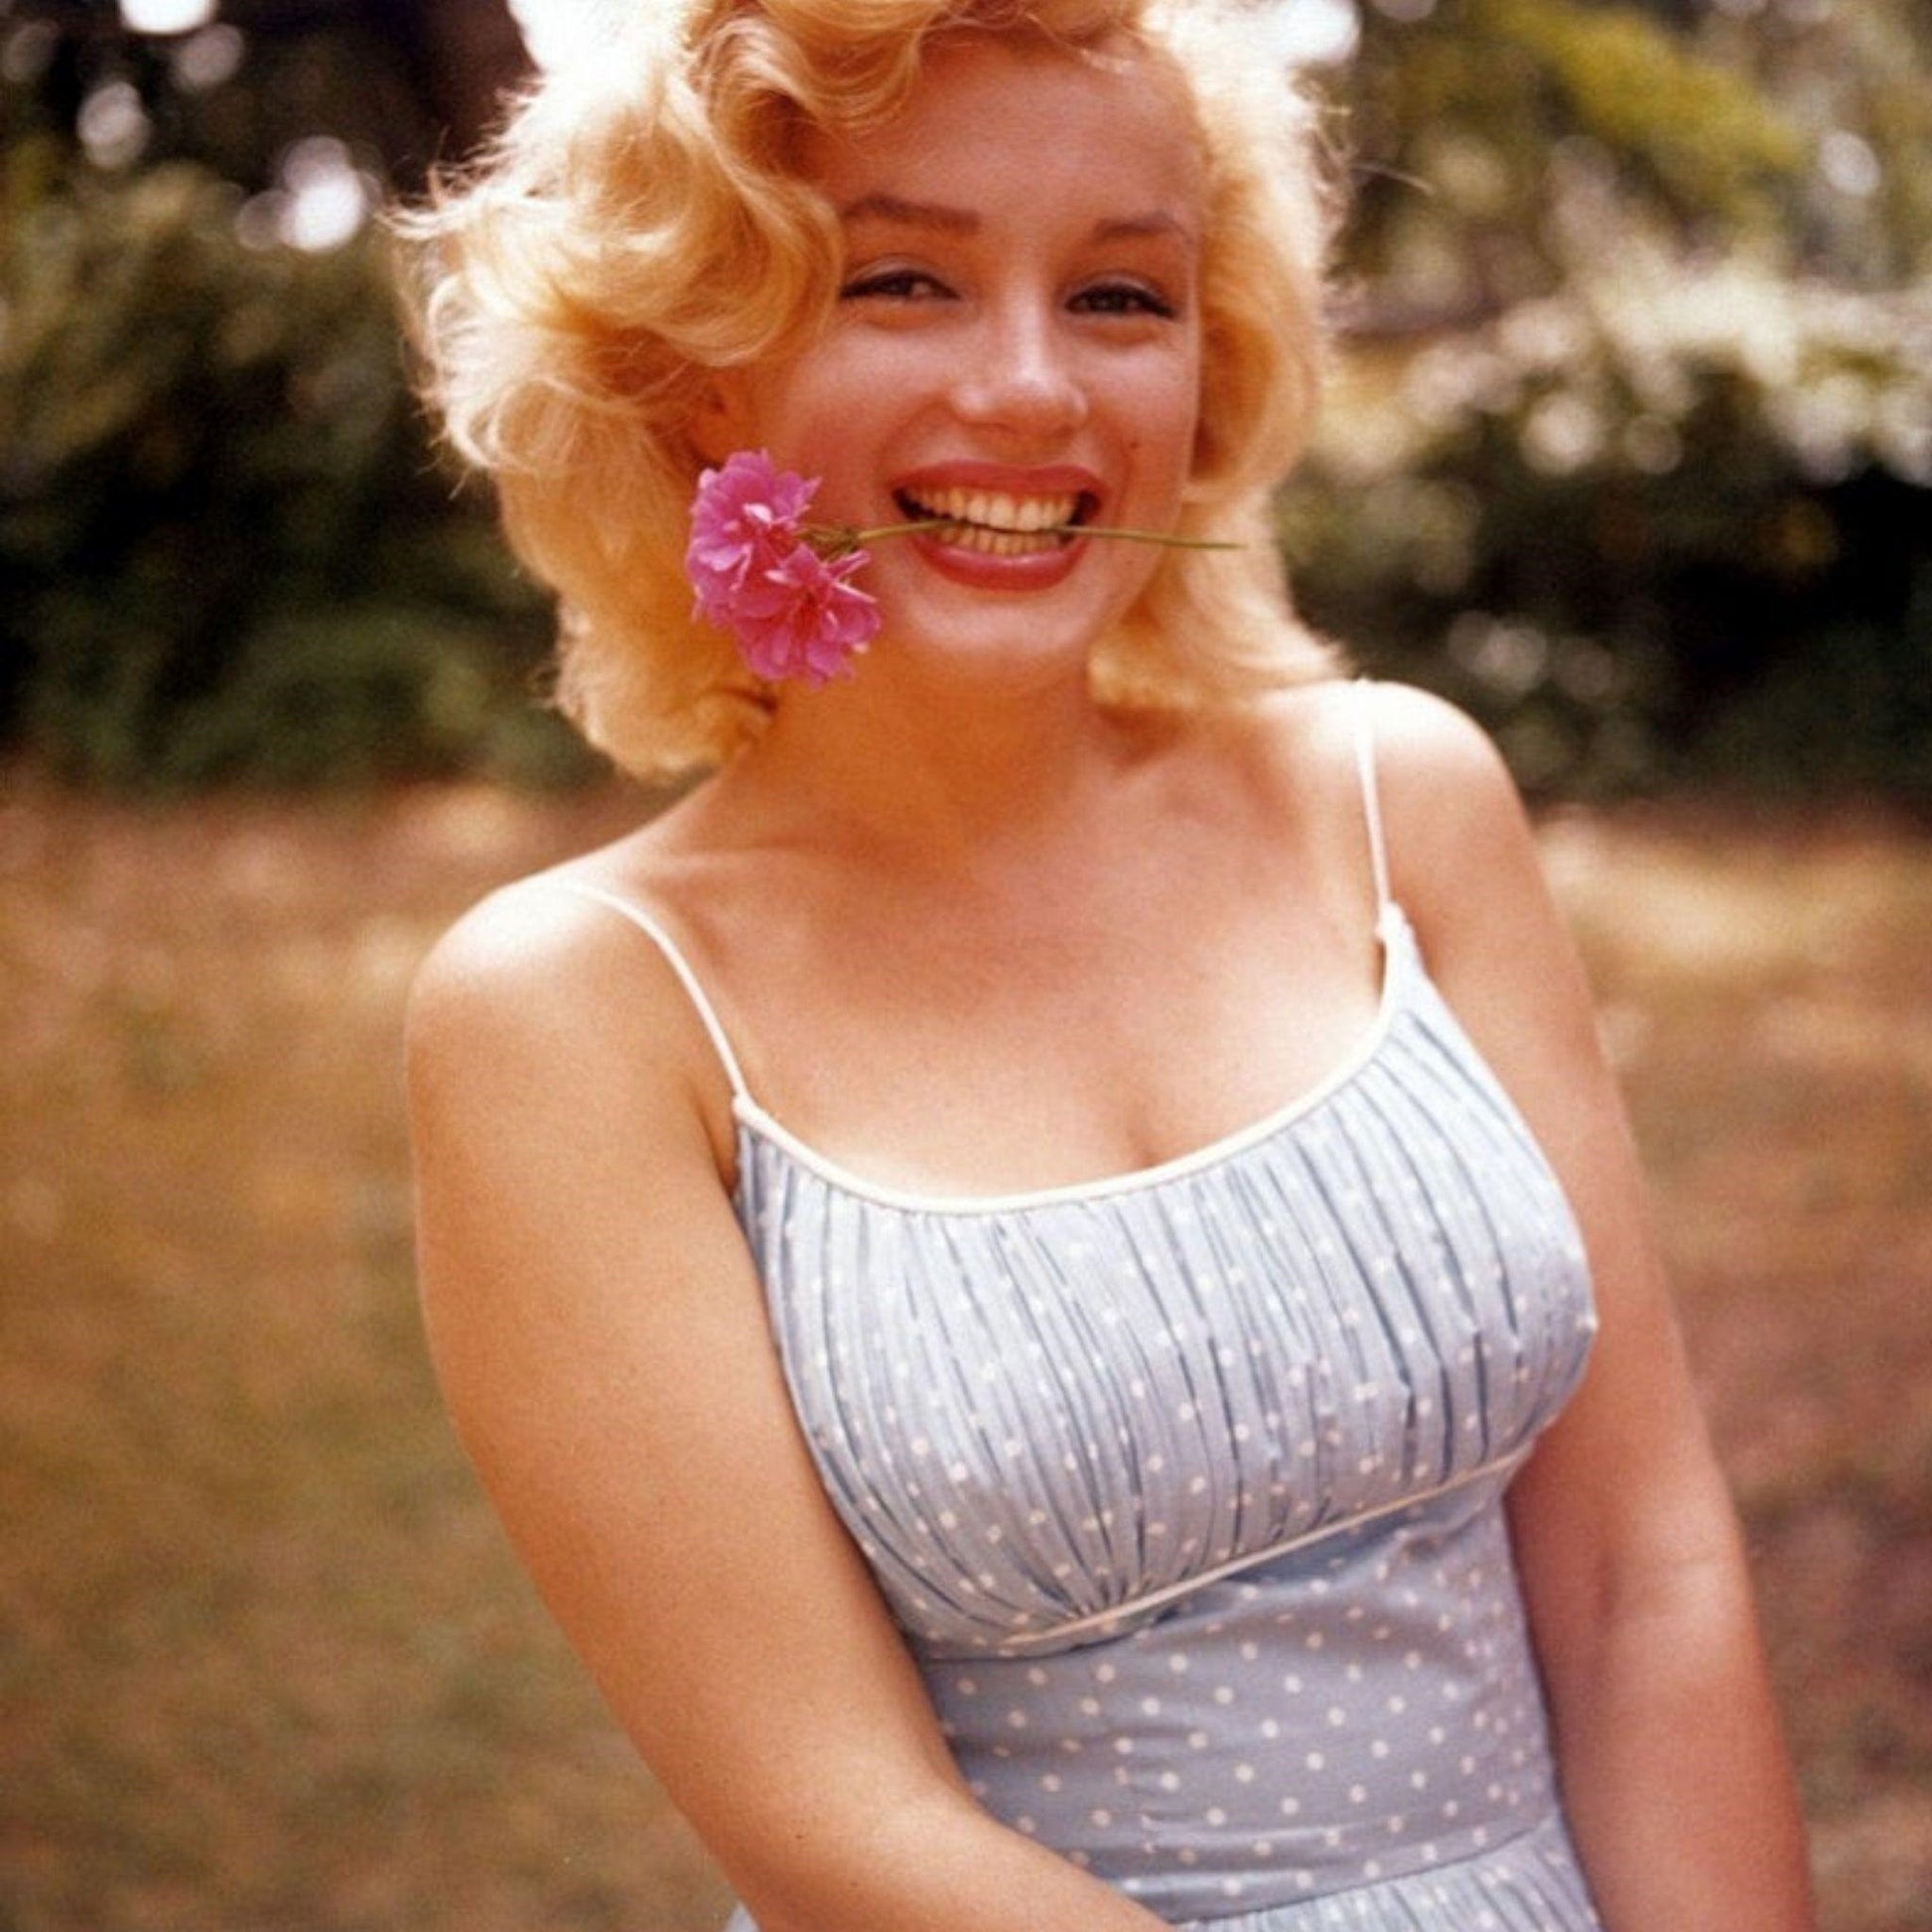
1020 1265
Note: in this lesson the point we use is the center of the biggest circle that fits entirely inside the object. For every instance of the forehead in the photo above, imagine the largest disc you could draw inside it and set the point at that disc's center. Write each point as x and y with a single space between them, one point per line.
1109 125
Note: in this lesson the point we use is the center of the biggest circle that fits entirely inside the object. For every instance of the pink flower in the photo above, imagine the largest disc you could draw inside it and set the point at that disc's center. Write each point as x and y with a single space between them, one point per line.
800 617
759 573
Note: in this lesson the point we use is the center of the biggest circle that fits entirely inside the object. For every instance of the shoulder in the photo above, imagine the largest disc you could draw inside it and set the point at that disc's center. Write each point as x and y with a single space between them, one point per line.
1457 833
1465 868
1436 775
541 991
1428 751
1417 739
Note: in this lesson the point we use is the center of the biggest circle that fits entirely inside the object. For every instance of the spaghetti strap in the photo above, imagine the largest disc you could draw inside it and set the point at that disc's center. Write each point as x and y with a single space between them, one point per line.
1378 852
674 958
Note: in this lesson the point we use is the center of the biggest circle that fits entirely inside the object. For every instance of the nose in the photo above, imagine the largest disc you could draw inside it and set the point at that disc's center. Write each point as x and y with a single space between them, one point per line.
1020 375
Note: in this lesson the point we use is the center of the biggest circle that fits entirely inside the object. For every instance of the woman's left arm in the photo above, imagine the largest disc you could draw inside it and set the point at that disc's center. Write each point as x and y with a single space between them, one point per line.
1675 1777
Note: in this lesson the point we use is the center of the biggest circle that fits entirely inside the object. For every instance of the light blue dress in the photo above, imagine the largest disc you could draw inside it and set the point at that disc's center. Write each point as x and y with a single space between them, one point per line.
1186 1488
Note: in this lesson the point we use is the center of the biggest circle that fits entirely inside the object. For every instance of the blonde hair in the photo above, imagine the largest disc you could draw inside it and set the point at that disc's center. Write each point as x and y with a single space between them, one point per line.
640 224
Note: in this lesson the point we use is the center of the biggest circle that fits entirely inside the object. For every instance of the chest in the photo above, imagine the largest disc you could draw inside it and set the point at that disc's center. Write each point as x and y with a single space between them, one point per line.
1036 1411
1043 1043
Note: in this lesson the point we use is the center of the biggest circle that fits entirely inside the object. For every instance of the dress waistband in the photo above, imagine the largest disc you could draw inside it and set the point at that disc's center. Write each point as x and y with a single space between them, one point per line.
1100 1624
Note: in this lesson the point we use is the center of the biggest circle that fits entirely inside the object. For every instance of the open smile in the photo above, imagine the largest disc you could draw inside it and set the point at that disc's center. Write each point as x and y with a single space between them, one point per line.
1000 523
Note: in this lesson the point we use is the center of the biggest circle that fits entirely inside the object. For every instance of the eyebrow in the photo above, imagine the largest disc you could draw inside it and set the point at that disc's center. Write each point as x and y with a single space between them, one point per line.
916 215
959 220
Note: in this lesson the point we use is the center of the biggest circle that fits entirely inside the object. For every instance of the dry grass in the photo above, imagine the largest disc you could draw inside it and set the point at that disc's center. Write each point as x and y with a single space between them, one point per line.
265 1663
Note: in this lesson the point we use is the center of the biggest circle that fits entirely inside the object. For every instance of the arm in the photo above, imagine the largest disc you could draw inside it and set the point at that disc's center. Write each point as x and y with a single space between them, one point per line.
599 1335
1674 1774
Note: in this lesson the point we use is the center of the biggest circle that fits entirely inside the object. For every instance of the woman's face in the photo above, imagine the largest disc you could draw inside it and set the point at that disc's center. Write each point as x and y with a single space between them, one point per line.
1016 342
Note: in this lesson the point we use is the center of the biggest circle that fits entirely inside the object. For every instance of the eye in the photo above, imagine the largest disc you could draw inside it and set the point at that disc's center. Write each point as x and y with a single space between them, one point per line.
1124 298
894 284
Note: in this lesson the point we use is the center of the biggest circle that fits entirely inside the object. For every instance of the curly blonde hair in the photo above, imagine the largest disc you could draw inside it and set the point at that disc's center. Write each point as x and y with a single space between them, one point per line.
642 222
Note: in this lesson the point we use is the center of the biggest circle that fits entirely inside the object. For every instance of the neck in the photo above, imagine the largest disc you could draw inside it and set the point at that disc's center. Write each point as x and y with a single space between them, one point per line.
923 767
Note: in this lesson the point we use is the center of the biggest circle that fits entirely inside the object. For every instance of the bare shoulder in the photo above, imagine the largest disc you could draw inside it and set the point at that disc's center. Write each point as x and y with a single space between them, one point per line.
1428 751
1424 737
540 991
1449 808
1459 842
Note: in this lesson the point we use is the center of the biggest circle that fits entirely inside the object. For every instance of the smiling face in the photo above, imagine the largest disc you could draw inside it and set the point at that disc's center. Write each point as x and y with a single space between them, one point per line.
1014 346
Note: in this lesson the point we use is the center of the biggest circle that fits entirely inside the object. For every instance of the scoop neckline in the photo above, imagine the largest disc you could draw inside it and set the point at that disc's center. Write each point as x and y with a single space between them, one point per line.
1397 962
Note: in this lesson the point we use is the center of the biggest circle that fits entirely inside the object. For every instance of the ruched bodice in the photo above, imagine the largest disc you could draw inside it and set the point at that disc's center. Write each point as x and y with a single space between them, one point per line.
1186 1486
1043 1416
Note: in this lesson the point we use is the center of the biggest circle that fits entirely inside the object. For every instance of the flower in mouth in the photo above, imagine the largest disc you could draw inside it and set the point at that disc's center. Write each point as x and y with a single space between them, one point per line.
782 587
997 523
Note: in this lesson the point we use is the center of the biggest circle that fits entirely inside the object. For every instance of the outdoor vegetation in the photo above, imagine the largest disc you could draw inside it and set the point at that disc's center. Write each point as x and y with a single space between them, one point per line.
1630 452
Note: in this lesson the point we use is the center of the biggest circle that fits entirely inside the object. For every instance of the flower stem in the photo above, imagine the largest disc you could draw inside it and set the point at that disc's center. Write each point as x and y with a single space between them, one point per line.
1167 537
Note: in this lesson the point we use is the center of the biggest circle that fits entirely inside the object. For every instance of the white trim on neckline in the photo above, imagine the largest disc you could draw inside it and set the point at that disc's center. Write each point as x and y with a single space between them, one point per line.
1399 962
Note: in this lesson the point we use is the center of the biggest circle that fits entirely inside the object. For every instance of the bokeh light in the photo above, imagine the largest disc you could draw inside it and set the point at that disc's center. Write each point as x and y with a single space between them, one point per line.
167 16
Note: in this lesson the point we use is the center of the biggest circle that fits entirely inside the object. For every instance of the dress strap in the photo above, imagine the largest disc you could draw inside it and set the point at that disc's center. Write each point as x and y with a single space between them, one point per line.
1378 852
675 959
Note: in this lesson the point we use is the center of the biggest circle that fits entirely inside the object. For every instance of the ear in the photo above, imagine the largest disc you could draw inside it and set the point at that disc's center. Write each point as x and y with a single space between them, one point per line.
721 419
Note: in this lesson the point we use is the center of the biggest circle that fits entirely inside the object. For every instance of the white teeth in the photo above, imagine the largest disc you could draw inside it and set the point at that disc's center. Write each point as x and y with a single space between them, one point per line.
996 514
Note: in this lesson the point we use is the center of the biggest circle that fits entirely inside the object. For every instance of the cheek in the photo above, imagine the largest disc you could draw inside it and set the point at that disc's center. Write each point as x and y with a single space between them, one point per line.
1169 438
826 401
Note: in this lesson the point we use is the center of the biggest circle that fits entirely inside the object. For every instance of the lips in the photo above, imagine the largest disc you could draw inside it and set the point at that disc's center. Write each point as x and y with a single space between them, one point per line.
999 522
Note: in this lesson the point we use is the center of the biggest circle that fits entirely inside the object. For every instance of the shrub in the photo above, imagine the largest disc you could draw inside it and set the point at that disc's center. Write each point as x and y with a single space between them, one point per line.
228 552
1669 524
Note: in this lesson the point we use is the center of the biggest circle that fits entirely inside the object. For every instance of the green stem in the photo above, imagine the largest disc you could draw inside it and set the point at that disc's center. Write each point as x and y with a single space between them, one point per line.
1167 537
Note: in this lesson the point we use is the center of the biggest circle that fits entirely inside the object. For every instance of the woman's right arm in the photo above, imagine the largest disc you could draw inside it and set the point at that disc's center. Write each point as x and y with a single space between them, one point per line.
599 1335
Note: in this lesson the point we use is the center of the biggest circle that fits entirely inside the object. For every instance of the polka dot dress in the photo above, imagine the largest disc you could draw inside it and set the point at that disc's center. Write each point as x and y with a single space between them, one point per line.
1187 1488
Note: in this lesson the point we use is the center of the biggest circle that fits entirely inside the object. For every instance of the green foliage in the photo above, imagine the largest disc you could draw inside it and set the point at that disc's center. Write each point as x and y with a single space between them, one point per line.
228 553
1671 525
1454 120
1705 134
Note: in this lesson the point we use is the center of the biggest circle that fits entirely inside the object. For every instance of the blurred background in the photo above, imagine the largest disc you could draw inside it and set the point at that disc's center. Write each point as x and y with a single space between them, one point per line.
1630 453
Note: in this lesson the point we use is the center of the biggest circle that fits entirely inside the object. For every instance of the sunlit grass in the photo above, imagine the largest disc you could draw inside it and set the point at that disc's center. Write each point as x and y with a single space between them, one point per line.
265 1663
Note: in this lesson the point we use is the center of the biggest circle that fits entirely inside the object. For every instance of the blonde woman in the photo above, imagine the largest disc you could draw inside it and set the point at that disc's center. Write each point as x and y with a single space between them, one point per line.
1044 1270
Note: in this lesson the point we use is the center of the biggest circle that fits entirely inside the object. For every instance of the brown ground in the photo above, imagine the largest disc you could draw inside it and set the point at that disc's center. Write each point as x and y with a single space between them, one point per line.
264 1663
